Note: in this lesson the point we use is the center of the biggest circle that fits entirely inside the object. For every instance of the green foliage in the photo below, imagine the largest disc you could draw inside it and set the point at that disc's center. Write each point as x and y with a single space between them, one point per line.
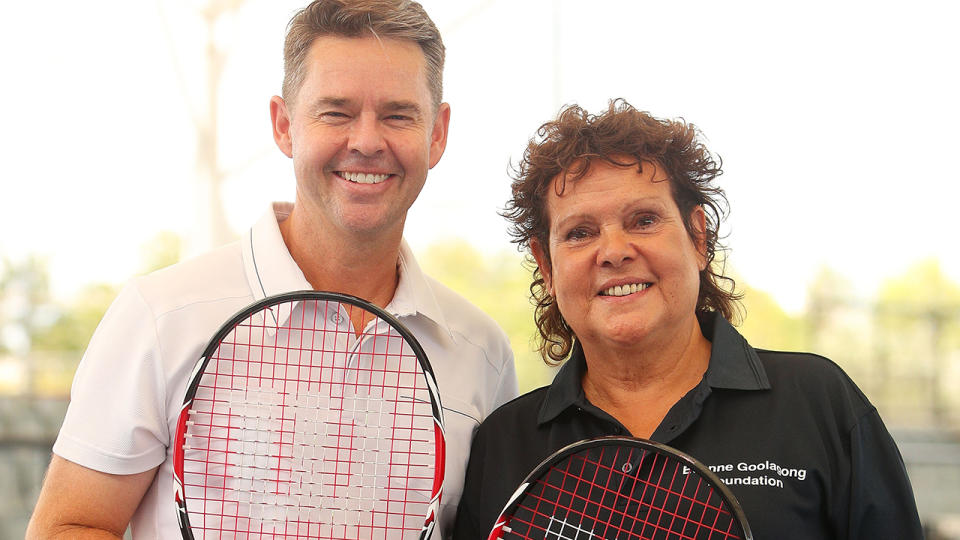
766 325
499 285
77 320
161 251
921 290
917 316
49 335
45 335
79 316
25 303
922 309
839 324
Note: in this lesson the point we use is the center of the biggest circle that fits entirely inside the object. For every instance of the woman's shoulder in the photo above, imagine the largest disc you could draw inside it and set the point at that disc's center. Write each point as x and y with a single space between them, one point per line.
799 363
814 377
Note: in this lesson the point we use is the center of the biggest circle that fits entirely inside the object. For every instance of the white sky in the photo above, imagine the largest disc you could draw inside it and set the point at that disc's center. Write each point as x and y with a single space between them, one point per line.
836 121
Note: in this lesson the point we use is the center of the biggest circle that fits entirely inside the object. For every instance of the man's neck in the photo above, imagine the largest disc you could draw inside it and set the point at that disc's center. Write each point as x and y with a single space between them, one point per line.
331 261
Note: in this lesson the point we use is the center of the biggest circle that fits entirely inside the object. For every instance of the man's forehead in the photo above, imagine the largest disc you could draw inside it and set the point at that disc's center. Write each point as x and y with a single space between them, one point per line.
338 62
333 47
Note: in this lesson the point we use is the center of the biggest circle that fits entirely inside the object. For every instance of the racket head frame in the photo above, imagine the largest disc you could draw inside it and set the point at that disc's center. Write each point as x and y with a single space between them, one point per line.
251 310
619 441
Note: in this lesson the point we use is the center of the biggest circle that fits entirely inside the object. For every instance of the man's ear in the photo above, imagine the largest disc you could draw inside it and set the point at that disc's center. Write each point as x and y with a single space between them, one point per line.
280 119
543 262
438 136
698 220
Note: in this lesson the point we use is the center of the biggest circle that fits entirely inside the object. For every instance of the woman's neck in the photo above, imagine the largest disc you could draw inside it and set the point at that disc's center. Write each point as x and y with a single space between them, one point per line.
638 386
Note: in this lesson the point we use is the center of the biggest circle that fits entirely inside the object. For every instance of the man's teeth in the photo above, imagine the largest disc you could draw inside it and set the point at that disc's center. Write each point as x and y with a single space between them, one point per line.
364 178
623 290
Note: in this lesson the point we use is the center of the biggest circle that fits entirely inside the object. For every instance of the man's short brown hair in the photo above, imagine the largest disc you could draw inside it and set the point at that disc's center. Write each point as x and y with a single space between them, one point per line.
396 19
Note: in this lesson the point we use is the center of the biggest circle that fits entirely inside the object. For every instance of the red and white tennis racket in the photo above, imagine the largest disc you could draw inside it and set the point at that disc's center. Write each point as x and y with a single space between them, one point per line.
294 425
622 488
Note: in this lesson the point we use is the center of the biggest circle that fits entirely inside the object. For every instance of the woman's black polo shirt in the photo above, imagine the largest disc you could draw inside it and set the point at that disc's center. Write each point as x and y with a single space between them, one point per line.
793 437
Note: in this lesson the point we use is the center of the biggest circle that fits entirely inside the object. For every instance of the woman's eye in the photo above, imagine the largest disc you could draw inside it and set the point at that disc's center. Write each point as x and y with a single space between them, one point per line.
645 221
578 233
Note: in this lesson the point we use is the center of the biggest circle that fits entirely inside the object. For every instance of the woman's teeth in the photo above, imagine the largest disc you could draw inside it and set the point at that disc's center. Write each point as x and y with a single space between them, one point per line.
623 290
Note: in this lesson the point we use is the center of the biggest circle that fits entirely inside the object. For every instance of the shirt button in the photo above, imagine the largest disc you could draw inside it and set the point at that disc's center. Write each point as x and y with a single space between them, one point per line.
337 318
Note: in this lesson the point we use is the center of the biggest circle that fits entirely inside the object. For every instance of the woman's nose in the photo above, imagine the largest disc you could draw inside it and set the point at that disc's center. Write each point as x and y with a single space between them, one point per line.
615 248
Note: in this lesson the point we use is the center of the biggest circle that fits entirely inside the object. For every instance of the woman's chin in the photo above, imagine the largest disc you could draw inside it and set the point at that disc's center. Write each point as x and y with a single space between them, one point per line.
624 336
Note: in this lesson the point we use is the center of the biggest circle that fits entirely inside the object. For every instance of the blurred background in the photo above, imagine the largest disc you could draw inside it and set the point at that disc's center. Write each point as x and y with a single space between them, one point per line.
138 135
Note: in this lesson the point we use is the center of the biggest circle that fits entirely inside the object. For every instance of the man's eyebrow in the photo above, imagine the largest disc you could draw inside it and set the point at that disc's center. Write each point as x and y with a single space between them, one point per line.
322 102
399 106
403 106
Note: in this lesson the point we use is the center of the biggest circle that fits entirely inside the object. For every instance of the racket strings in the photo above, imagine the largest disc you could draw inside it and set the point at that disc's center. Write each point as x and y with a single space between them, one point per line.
307 429
588 496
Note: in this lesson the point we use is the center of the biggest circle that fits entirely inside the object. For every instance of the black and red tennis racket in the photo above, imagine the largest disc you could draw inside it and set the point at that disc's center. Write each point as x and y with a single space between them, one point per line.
295 425
622 488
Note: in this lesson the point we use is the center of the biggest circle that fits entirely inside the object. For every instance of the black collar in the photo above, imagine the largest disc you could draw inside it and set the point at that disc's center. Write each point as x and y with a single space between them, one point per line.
733 365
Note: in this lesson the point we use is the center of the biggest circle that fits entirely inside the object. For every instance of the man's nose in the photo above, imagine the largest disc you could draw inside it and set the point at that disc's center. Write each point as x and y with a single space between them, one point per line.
366 136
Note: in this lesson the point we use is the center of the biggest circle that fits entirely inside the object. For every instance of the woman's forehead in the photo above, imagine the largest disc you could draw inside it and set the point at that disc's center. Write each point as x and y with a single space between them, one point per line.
644 178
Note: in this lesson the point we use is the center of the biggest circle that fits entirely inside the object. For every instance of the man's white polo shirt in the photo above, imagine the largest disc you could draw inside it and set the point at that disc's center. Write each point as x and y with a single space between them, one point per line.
130 384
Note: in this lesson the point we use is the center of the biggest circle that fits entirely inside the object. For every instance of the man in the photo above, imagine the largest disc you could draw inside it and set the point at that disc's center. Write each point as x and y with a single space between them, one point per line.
362 119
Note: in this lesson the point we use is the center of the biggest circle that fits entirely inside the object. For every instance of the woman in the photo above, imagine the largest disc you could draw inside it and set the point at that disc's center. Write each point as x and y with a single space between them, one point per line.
621 213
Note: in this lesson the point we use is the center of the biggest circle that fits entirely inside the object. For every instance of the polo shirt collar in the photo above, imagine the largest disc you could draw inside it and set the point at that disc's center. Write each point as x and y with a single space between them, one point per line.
414 295
271 270
734 364
566 389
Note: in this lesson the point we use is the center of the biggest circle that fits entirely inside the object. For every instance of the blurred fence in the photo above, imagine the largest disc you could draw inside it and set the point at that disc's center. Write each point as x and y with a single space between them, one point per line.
933 463
28 426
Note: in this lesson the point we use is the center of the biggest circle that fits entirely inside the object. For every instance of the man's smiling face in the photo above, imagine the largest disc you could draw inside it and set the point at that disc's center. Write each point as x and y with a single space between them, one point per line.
362 133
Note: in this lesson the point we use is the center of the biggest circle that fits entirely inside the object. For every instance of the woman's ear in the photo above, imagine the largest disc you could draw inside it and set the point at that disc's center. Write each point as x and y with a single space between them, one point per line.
698 220
543 262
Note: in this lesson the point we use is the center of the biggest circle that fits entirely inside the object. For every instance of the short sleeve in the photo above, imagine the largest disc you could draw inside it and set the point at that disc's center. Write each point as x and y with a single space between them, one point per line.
116 420
882 504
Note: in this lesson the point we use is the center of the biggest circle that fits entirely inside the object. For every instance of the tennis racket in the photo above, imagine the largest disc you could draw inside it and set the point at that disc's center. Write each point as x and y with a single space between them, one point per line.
622 488
294 425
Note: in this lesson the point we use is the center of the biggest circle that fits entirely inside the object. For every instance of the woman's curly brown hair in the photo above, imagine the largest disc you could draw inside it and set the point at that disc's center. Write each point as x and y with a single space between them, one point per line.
621 136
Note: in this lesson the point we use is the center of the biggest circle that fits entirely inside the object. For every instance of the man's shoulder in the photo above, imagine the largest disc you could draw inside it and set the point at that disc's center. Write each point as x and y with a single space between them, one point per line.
213 276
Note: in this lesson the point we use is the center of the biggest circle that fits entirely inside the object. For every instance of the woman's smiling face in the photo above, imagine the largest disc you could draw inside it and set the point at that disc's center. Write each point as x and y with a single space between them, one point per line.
622 266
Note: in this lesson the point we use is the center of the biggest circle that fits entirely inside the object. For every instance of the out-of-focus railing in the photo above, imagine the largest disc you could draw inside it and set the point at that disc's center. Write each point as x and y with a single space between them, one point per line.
28 427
